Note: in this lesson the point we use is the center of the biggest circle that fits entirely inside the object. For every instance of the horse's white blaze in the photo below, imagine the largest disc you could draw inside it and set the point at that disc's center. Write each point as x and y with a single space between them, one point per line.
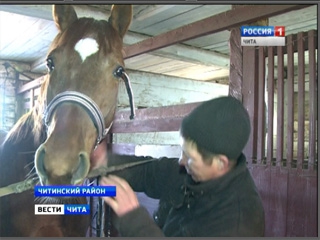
86 47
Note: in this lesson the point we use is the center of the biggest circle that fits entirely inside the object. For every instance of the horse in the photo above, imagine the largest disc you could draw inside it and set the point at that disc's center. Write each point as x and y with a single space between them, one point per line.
57 139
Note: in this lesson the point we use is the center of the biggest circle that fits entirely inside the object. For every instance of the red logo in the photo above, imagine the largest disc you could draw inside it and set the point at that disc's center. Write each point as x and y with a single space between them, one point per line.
279 31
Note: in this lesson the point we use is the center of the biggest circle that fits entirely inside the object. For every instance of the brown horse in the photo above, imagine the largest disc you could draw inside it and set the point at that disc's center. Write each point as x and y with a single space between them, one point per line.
58 136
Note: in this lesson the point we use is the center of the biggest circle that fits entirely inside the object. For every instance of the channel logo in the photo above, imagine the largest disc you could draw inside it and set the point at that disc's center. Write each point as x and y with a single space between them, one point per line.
263 36
61 209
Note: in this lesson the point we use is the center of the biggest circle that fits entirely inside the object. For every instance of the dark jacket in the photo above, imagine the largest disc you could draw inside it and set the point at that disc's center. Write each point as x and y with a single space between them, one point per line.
228 206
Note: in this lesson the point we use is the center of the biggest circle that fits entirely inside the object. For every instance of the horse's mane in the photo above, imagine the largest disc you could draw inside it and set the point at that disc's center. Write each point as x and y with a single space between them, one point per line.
30 125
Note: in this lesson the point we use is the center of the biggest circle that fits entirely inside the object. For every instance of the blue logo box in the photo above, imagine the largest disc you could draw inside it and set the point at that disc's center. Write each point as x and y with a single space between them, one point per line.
257 31
76 209
74 191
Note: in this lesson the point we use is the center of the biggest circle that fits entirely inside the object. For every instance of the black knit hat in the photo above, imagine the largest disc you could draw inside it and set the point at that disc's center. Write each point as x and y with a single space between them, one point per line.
220 125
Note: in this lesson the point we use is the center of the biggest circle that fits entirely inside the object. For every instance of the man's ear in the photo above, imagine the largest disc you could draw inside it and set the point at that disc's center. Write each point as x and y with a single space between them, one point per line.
223 163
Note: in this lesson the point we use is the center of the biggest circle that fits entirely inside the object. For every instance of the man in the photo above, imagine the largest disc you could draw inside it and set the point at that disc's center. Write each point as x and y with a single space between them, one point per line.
207 192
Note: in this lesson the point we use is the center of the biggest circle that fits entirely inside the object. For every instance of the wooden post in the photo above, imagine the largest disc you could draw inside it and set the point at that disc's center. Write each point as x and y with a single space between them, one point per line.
243 82
235 73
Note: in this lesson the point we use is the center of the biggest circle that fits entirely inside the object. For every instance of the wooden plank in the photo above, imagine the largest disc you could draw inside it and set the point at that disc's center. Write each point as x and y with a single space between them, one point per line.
155 151
270 86
311 205
44 11
26 95
301 100
236 61
149 16
25 38
154 138
216 23
312 98
280 106
126 149
250 98
261 177
302 209
278 195
30 85
261 107
179 15
290 100
32 97
153 90
152 119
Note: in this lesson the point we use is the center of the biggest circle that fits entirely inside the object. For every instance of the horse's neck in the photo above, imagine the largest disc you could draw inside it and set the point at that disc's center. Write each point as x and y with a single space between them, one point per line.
17 150
25 135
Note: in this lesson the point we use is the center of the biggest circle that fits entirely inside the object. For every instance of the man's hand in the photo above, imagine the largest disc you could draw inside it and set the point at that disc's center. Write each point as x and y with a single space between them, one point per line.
125 199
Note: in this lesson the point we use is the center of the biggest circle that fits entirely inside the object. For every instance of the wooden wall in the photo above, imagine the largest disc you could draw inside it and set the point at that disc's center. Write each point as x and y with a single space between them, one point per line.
282 152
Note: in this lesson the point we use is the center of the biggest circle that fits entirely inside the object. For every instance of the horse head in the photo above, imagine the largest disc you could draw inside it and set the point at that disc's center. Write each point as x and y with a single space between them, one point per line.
79 92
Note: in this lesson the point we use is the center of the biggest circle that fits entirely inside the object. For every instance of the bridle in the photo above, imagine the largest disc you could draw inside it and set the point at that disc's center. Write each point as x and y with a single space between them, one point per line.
84 101
89 105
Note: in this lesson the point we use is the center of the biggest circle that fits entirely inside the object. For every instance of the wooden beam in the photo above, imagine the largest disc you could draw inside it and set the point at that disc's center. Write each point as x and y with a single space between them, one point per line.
31 85
236 62
19 66
159 119
216 23
183 52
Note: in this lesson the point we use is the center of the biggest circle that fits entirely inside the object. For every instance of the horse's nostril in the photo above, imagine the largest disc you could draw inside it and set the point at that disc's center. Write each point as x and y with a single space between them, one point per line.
39 164
82 170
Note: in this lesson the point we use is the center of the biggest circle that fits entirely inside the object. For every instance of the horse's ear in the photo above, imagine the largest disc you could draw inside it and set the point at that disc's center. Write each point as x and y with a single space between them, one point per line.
120 19
63 16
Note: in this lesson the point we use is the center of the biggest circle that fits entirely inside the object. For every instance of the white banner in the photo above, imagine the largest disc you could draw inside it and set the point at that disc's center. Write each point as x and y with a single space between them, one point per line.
49 209
263 41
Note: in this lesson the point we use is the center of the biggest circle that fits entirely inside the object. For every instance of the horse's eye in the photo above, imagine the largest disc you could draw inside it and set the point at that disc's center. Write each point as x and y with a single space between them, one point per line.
50 64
